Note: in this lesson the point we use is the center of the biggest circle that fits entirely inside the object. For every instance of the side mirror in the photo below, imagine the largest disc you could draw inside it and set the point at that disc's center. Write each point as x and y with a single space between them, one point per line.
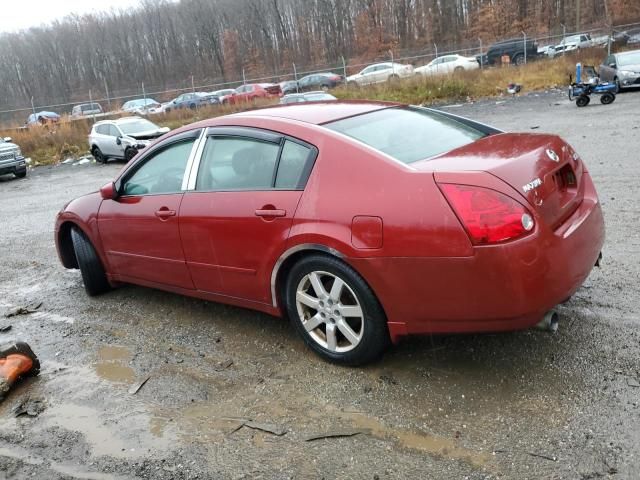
108 191
8 139
119 141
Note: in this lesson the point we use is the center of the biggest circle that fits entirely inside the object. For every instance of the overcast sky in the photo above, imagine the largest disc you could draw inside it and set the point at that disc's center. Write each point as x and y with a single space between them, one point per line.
20 14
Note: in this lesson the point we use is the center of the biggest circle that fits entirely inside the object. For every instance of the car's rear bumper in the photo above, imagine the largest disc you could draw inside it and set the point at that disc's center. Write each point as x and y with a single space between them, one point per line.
500 288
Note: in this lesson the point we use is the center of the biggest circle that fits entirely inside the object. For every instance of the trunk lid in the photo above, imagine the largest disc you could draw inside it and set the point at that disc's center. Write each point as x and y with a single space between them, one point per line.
543 169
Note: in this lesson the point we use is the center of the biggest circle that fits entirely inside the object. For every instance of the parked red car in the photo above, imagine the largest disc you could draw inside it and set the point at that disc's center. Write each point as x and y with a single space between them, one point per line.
251 92
362 222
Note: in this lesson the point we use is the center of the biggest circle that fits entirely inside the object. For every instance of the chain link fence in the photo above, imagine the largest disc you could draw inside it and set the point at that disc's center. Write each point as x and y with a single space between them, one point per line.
609 38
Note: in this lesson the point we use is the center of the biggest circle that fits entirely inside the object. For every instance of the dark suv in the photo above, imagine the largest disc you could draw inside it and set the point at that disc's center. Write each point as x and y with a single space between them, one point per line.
513 47
11 159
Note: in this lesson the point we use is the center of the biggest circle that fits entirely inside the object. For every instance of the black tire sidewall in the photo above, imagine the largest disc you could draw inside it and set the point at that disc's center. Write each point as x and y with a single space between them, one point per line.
93 274
607 98
376 334
98 155
582 101
129 153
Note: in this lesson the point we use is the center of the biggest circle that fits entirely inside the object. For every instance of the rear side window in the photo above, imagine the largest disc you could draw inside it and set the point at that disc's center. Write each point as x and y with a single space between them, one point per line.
292 166
407 134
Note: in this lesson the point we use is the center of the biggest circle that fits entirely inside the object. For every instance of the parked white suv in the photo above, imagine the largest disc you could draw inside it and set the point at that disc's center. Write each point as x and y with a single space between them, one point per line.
380 72
122 138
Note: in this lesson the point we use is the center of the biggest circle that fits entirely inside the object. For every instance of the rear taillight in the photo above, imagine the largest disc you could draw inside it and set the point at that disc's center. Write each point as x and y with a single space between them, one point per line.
488 216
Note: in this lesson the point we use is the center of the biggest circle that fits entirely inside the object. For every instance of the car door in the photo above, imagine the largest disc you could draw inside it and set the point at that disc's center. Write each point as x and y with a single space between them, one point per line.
367 75
608 69
236 215
450 63
139 229
102 138
108 140
383 72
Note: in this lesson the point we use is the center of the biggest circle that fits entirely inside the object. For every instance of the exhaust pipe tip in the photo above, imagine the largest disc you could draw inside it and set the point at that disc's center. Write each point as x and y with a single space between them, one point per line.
549 322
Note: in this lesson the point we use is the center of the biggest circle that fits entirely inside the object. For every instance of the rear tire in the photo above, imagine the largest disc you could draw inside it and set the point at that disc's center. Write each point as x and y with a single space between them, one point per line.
341 322
98 155
93 274
458 69
393 77
518 59
607 98
583 101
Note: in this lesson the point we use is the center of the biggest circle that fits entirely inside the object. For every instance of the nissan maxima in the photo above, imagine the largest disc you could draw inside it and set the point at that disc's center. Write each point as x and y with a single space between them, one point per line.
361 222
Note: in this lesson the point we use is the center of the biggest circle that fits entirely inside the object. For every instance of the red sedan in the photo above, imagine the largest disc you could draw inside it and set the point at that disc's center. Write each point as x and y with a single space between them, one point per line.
253 91
362 222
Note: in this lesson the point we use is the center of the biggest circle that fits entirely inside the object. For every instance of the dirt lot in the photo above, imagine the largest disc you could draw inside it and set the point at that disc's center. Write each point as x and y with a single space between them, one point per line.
522 405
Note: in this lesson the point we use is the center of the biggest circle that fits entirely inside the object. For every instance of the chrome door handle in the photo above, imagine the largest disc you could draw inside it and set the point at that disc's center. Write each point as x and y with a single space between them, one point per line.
271 213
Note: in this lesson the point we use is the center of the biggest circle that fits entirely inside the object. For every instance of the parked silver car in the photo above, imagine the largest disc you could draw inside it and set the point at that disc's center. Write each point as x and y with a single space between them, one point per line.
319 96
86 110
122 138
380 72
140 106
622 68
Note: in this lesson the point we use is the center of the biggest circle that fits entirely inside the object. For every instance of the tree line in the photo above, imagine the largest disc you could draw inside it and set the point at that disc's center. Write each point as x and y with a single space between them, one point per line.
163 43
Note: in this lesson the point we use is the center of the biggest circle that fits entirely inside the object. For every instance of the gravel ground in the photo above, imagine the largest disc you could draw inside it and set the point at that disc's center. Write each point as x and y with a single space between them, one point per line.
520 405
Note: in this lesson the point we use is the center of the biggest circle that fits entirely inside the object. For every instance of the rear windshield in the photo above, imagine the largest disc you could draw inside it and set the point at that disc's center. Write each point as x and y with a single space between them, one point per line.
407 134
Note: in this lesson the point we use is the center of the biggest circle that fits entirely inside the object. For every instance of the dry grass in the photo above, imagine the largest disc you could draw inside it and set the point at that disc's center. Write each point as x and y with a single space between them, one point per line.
50 145
538 75
54 143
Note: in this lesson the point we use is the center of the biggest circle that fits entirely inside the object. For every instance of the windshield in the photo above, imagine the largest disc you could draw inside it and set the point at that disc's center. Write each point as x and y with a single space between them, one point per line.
138 126
407 134
629 59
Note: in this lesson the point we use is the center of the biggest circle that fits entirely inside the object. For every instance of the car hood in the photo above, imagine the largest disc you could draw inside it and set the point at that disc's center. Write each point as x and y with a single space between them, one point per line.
148 134
7 147
634 67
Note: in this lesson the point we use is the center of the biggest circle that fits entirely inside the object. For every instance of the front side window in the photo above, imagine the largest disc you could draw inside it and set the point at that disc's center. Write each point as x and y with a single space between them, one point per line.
162 173
407 134
113 131
236 163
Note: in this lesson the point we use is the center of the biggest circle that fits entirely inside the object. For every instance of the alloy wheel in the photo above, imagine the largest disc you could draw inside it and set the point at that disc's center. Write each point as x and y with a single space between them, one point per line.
330 311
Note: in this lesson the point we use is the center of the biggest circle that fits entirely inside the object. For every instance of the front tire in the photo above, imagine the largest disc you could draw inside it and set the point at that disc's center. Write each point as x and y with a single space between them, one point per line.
21 174
335 311
583 101
93 274
129 153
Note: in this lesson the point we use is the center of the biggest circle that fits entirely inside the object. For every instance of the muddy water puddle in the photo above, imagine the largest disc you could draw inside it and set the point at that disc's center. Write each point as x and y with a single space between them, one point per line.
112 364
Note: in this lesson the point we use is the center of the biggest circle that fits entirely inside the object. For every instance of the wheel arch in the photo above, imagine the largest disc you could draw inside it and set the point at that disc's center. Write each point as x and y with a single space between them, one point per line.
294 254
289 258
65 245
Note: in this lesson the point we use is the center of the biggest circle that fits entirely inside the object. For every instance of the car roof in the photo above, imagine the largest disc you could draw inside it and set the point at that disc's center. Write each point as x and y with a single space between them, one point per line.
117 121
319 114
